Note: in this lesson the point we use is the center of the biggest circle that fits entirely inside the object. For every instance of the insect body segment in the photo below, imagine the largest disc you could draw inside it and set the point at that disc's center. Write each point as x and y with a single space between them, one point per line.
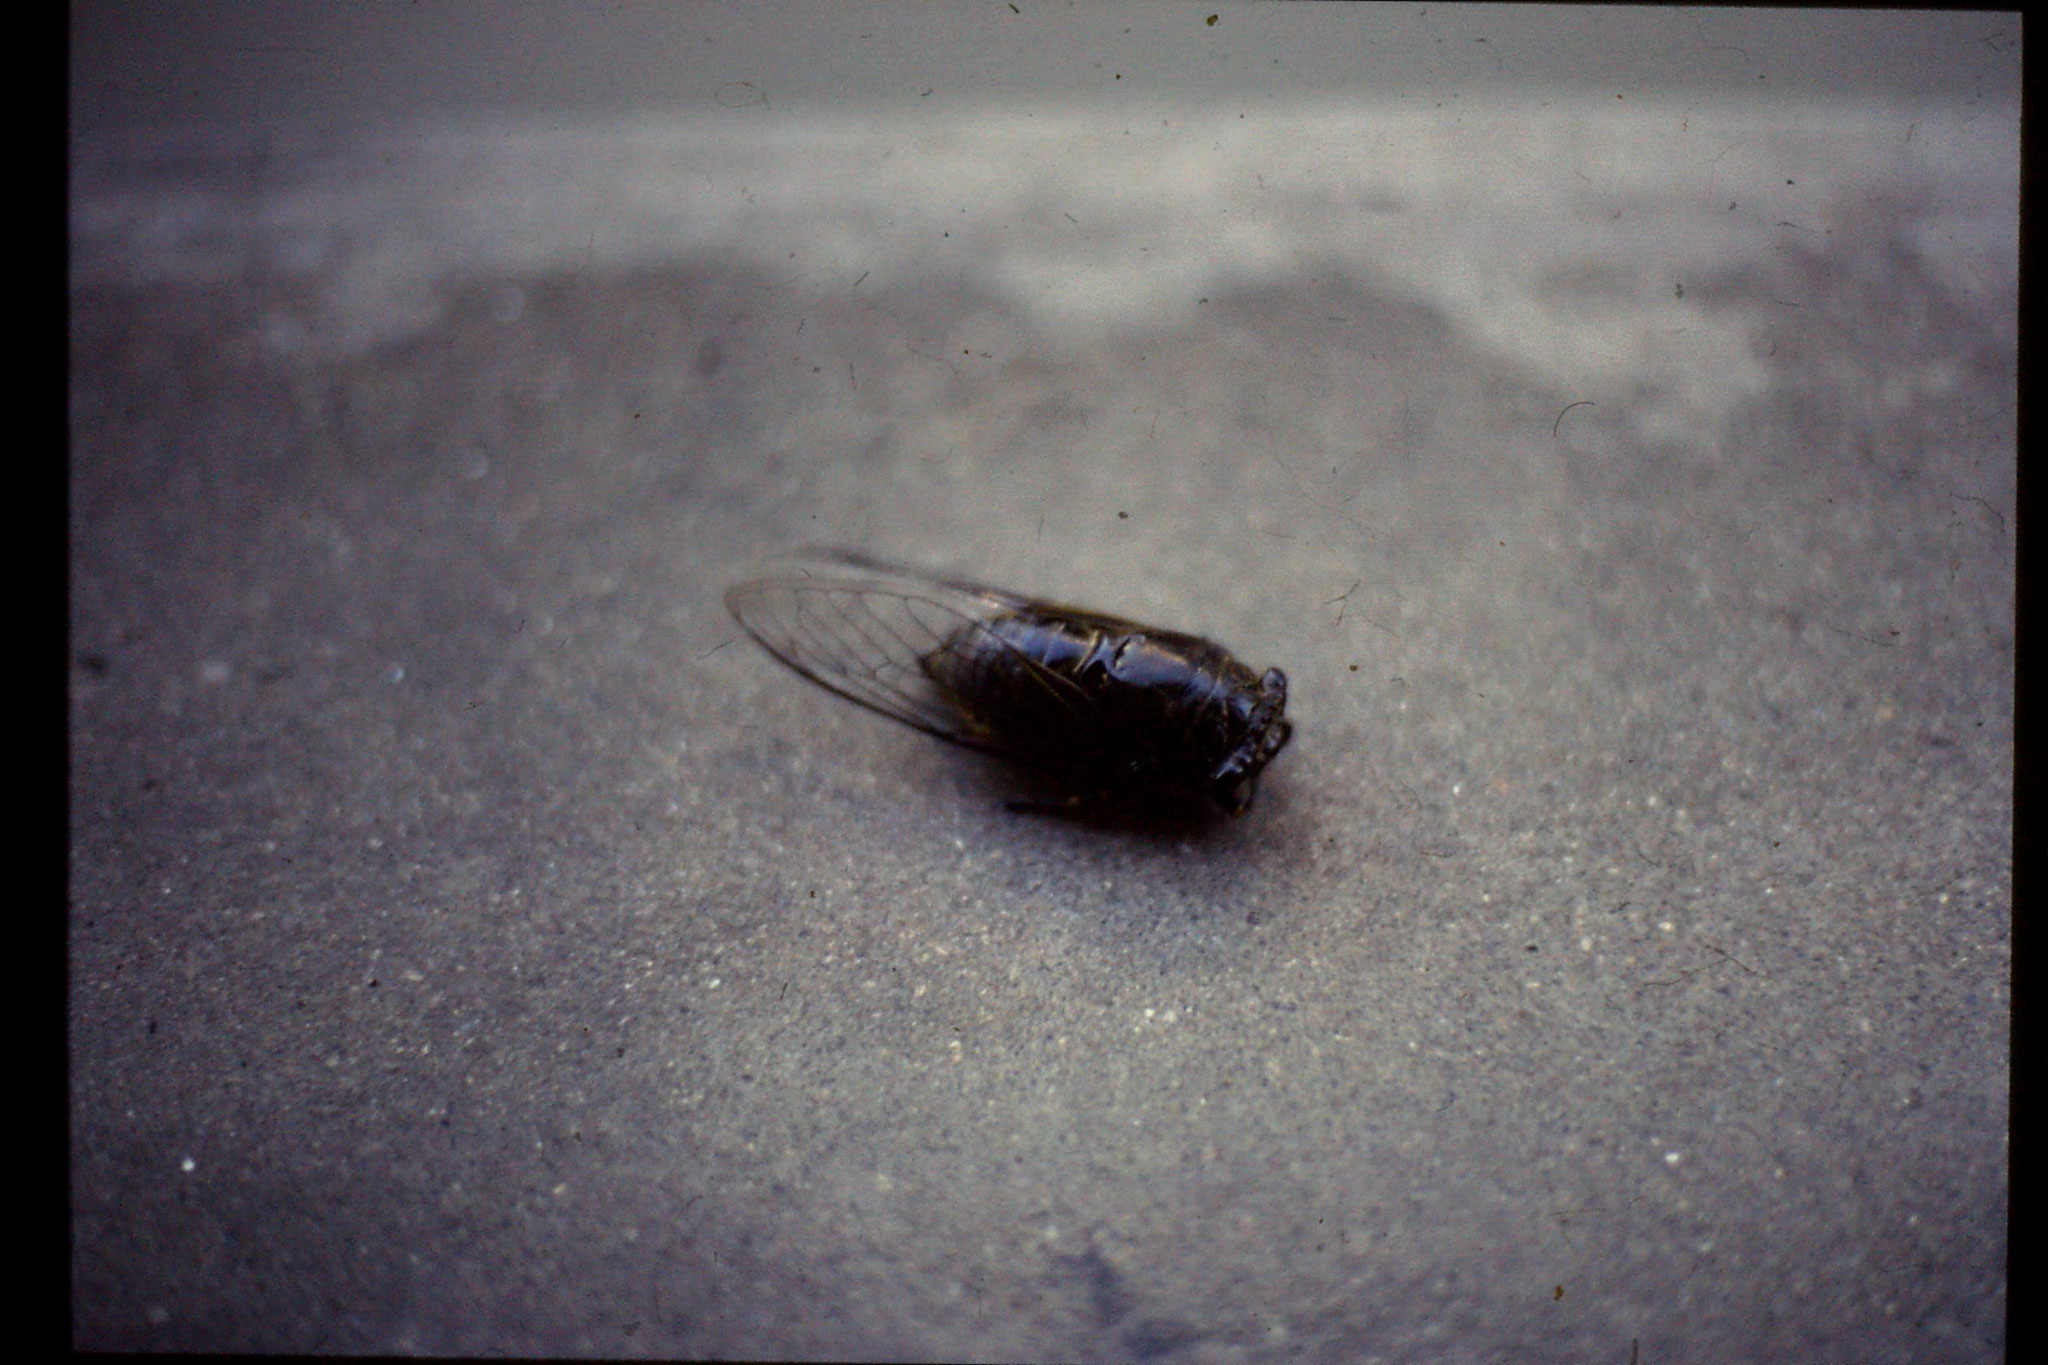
1104 703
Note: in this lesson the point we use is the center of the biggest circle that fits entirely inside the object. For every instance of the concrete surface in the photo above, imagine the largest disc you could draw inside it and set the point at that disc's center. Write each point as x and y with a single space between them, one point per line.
476 945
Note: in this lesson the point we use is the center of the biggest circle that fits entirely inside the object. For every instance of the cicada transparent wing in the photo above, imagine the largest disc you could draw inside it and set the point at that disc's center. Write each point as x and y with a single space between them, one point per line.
906 644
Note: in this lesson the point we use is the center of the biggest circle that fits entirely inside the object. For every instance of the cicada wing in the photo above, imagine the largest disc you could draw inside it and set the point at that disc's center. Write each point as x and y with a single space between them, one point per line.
877 634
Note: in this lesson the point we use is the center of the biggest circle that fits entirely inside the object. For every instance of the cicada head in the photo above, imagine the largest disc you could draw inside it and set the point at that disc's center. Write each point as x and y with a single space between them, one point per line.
1235 781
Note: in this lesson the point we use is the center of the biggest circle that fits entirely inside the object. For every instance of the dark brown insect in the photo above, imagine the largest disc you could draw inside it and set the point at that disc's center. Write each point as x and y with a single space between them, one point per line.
1105 705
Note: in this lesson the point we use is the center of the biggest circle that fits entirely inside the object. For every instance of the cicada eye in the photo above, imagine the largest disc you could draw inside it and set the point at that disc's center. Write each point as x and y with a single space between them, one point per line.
1277 739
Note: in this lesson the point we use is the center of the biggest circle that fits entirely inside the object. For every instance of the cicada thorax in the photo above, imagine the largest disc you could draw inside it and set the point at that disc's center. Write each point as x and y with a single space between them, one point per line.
1097 695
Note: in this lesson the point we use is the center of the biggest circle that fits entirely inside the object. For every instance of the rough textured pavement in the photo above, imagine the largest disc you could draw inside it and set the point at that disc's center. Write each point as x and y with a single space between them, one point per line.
476 945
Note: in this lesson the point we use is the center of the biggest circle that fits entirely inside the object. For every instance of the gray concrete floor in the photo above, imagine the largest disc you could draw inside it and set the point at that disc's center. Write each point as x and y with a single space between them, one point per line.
478 946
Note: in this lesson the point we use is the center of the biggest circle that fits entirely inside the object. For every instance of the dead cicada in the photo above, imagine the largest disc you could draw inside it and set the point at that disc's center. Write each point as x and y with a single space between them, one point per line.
1104 705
